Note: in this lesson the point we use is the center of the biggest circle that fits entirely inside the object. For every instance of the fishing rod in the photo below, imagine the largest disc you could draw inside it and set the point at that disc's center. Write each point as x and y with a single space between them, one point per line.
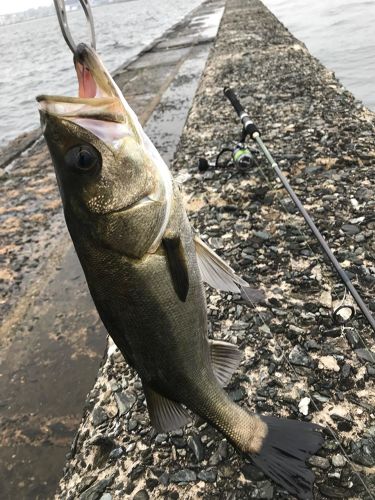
243 157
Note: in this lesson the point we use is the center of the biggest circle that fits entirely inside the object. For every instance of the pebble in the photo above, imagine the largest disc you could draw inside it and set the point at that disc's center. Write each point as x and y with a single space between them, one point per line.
195 444
99 416
251 472
350 229
338 460
363 451
333 491
132 425
220 454
264 490
328 363
365 355
179 442
116 453
164 478
299 357
345 370
130 447
141 495
320 462
136 471
95 491
125 402
303 406
262 235
208 475
86 482
183 476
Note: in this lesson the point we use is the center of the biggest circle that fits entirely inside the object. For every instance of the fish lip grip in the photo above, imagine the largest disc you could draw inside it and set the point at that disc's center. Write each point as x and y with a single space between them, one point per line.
63 21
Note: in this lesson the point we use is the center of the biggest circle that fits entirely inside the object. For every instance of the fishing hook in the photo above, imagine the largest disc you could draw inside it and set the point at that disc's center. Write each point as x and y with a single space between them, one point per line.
63 21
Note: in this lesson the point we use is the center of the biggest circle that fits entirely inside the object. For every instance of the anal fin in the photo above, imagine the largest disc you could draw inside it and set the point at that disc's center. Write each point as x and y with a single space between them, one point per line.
225 359
165 415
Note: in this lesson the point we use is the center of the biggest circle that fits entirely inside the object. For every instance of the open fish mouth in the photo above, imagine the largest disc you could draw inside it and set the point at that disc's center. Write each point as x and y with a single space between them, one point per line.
99 106
101 109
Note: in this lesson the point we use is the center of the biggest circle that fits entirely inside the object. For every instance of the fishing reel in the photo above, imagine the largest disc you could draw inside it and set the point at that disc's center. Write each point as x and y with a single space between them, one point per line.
239 156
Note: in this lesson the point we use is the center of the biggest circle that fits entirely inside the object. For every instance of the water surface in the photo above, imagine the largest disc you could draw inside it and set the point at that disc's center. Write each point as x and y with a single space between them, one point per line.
34 58
340 33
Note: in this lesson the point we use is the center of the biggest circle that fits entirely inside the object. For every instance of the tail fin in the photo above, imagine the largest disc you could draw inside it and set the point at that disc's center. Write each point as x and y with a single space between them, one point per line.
284 452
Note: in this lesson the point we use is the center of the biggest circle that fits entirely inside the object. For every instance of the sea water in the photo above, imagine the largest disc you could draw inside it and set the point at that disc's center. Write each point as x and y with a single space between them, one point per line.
34 58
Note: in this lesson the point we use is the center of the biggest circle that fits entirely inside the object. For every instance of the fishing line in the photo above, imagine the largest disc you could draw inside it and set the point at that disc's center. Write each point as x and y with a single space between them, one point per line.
307 391
342 306
249 128
291 367
252 130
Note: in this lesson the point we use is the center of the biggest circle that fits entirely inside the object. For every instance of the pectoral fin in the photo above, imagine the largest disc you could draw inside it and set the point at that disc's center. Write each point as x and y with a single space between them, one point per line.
218 274
225 359
165 415
177 265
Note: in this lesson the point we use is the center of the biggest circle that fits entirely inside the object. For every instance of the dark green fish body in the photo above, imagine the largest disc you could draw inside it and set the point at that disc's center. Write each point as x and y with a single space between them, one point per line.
145 271
163 338
138 304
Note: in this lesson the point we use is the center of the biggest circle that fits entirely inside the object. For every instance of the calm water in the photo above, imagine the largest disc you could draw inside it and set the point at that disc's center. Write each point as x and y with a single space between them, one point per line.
34 58
340 33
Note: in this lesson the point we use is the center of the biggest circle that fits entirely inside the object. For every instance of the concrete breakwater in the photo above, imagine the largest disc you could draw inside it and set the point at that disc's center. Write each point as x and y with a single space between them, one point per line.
324 140
51 340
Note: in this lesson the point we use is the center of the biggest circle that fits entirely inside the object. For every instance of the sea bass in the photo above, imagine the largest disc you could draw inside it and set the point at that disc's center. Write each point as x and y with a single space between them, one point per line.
145 271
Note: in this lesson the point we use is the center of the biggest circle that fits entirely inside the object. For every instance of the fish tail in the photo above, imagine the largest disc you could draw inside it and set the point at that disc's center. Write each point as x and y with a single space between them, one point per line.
278 446
281 450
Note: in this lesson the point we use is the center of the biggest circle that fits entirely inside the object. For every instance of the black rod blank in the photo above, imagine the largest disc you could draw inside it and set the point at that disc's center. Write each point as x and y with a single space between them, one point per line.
255 135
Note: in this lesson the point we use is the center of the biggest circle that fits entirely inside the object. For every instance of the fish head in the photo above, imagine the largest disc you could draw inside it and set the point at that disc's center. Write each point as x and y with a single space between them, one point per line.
114 185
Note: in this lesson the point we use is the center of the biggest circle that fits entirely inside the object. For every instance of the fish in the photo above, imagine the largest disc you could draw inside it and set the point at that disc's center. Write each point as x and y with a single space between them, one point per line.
146 268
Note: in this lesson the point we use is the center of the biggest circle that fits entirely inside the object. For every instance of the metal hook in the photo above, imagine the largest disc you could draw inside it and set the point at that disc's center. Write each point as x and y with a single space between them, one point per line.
63 21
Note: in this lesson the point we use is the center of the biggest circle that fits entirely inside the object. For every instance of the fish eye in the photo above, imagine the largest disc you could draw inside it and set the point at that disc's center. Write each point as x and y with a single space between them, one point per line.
84 158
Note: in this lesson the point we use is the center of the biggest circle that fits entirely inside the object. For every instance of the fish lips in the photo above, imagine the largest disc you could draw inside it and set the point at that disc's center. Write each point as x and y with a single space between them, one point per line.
93 78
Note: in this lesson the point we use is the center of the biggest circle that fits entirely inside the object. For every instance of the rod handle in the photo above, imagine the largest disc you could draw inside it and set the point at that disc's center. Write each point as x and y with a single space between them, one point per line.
248 125
229 94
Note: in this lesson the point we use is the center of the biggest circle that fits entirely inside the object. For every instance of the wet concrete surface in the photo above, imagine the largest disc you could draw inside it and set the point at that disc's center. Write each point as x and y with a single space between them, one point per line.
51 339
